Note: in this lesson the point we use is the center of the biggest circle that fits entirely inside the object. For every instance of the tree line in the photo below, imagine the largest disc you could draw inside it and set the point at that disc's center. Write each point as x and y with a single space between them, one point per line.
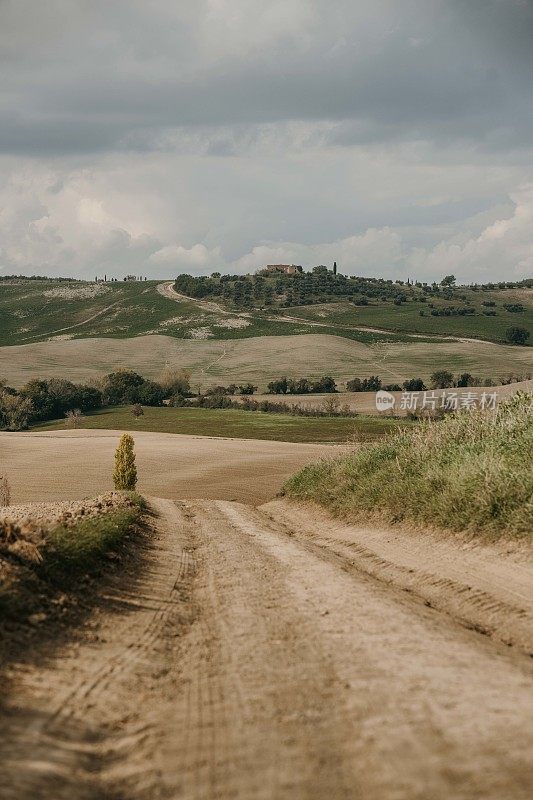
44 399
303 288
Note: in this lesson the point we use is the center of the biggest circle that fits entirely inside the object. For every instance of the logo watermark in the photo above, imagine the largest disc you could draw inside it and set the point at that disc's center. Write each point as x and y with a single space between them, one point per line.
385 401
447 400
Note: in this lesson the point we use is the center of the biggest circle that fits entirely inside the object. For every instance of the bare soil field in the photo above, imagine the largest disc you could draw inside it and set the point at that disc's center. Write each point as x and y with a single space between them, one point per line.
255 655
259 359
365 402
63 465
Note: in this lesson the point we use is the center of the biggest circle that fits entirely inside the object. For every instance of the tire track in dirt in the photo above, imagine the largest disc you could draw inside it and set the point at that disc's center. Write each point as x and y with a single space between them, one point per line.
247 663
483 591
78 724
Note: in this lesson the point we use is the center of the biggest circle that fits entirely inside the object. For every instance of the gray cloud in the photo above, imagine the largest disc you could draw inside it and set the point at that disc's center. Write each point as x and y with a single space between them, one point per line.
175 135
84 77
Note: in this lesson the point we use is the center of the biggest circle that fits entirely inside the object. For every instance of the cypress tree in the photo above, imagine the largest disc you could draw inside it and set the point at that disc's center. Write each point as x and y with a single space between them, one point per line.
125 474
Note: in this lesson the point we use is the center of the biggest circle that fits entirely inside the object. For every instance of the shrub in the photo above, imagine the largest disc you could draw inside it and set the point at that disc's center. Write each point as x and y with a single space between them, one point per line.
441 379
331 405
414 385
74 419
371 384
16 411
137 410
125 474
175 381
466 379
5 491
517 335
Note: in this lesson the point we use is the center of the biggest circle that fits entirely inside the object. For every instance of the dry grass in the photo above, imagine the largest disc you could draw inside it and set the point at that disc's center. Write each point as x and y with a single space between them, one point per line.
5 491
471 471
258 359
57 546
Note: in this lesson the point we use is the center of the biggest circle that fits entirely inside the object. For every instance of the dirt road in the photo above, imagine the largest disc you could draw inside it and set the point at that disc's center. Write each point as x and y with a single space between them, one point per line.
246 662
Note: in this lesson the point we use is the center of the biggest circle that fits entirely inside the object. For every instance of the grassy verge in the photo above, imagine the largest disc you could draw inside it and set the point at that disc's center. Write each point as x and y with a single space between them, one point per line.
84 549
66 559
471 472
234 423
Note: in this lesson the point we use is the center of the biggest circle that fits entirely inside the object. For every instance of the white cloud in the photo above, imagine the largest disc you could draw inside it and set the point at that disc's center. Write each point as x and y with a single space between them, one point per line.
374 252
198 257
503 249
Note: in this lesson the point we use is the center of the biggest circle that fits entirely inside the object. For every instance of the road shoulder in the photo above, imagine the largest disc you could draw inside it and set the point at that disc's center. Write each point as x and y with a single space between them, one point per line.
485 586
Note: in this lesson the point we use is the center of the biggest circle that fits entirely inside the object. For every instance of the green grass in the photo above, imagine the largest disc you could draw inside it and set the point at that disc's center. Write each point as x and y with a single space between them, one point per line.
406 318
82 549
29 314
471 472
67 558
234 423
33 311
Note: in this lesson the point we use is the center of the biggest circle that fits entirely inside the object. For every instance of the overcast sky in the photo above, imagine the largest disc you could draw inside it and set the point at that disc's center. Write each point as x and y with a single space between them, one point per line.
393 136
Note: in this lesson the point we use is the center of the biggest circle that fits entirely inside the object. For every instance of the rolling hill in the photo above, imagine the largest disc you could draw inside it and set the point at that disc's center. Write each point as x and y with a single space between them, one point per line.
80 330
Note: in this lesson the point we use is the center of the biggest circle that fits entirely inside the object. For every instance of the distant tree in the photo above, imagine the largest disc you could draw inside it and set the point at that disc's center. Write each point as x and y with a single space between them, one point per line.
371 384
121 387
125 474
414 385
16 411
74 418
517 335
149 394
354 385
125 387
36 391
466 379
448 280
175 381
326 385
302 386
137 410
247 389
441 379
279 386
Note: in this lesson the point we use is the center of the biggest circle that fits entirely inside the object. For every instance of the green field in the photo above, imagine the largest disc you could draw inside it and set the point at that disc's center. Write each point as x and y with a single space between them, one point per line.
37 310
406 318
230 423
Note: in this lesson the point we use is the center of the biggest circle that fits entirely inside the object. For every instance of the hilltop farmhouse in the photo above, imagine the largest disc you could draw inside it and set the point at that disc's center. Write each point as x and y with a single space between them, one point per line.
286 269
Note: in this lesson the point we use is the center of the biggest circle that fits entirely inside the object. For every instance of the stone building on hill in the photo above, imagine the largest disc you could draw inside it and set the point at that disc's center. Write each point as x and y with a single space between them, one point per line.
287 269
